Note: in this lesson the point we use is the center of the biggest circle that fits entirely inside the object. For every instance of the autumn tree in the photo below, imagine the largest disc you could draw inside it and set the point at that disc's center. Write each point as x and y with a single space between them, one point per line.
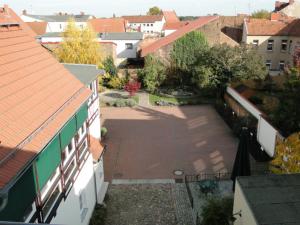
154 11
79 46
261 14
287 158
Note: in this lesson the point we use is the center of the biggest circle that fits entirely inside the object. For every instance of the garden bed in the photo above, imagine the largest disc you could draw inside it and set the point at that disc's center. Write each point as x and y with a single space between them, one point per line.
163 100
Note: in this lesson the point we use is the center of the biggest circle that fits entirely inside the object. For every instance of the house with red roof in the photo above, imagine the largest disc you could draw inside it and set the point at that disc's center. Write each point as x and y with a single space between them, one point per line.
151 25
290 8
210 26
277 40
51 168
108 25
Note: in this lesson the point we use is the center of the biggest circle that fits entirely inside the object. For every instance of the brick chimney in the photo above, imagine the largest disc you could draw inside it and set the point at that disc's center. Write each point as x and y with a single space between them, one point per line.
6 10
24 12
82 13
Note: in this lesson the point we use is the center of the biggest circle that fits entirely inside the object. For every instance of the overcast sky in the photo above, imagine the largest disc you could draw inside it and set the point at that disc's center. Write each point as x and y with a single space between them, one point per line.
106 8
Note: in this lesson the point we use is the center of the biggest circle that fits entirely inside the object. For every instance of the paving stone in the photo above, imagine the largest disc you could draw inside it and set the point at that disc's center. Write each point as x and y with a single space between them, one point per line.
140 204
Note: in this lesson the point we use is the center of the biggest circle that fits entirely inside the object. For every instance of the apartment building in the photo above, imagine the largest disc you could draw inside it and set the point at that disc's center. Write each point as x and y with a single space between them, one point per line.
277 40
51 166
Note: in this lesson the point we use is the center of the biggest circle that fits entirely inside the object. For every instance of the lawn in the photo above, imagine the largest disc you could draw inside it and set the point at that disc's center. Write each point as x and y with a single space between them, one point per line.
194 100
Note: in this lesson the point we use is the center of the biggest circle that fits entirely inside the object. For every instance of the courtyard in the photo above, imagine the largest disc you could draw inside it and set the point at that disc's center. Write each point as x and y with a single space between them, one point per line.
153 142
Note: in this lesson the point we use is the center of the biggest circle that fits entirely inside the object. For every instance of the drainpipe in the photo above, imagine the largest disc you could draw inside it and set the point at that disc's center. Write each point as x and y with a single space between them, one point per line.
3 200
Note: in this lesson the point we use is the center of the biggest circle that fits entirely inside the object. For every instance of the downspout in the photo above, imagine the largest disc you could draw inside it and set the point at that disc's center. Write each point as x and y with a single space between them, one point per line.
95 184
4 200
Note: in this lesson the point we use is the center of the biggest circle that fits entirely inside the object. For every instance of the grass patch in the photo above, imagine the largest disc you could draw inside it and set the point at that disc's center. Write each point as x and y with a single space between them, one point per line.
193 100
136 98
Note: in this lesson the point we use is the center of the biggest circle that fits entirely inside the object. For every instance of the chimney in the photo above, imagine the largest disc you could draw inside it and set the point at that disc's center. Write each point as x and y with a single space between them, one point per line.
275 16
24 12
6 10
291 2
82 13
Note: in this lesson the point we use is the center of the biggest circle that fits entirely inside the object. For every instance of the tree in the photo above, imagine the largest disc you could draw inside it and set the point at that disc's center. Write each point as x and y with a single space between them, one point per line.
184 54
110 67
154 73
132 87
217 211
154 11
79 46
287 158
261 14
223 64
287 115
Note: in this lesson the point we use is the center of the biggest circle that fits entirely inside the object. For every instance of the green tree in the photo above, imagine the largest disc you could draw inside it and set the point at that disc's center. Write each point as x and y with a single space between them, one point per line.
153 75
154 11
184 54
261 14
223 64
79 46
217 211
287 158
109 66
287 115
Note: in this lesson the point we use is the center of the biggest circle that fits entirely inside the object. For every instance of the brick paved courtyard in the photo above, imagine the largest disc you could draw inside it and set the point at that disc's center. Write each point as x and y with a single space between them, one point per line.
152 142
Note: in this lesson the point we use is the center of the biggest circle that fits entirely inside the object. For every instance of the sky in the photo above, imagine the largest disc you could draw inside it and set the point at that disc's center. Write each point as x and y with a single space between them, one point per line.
106 8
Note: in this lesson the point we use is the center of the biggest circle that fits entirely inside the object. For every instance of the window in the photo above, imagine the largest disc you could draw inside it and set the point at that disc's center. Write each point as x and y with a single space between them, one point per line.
284 45
82 149
51 182
82 205
151 24
129 46
255 43
70 171
151 31
270 45
268 64
81 132
50 202
281 65
148 25
144 25
68 152
60 26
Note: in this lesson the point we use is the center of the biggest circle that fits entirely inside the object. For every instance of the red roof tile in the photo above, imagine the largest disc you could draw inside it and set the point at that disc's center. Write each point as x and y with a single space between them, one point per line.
175 25
264 27
37 97
111 25
38 27
96 148
170 16
143 19
193 25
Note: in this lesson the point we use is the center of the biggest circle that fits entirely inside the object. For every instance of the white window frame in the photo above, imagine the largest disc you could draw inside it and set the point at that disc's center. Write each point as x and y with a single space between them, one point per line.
83 152
72 171
59 186
50 183
255 43
270 44
69 152
81 132
269 64
281 63
284 43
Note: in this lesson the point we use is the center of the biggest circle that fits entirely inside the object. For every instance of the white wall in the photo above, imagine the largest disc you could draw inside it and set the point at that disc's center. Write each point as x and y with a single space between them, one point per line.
149 28
29 19
51 39
121 50
241 205
69 210
168 32
60 26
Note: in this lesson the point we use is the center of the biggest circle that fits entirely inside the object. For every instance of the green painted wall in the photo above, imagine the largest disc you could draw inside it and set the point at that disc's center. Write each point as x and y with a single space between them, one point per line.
20 197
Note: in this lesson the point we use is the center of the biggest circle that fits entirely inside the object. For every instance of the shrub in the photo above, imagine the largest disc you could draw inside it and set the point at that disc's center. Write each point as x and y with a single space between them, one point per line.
132 87
110 67
120 103
217 211
115 83
103 131
130 103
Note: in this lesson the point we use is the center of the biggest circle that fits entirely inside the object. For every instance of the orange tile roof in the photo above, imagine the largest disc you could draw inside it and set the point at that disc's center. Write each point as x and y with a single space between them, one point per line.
175 25
143 19
95 148
193 25
37 97
264 27
110 25
170 16
38 27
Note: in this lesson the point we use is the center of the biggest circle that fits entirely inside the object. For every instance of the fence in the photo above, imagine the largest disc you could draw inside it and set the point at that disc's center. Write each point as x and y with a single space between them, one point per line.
266 133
